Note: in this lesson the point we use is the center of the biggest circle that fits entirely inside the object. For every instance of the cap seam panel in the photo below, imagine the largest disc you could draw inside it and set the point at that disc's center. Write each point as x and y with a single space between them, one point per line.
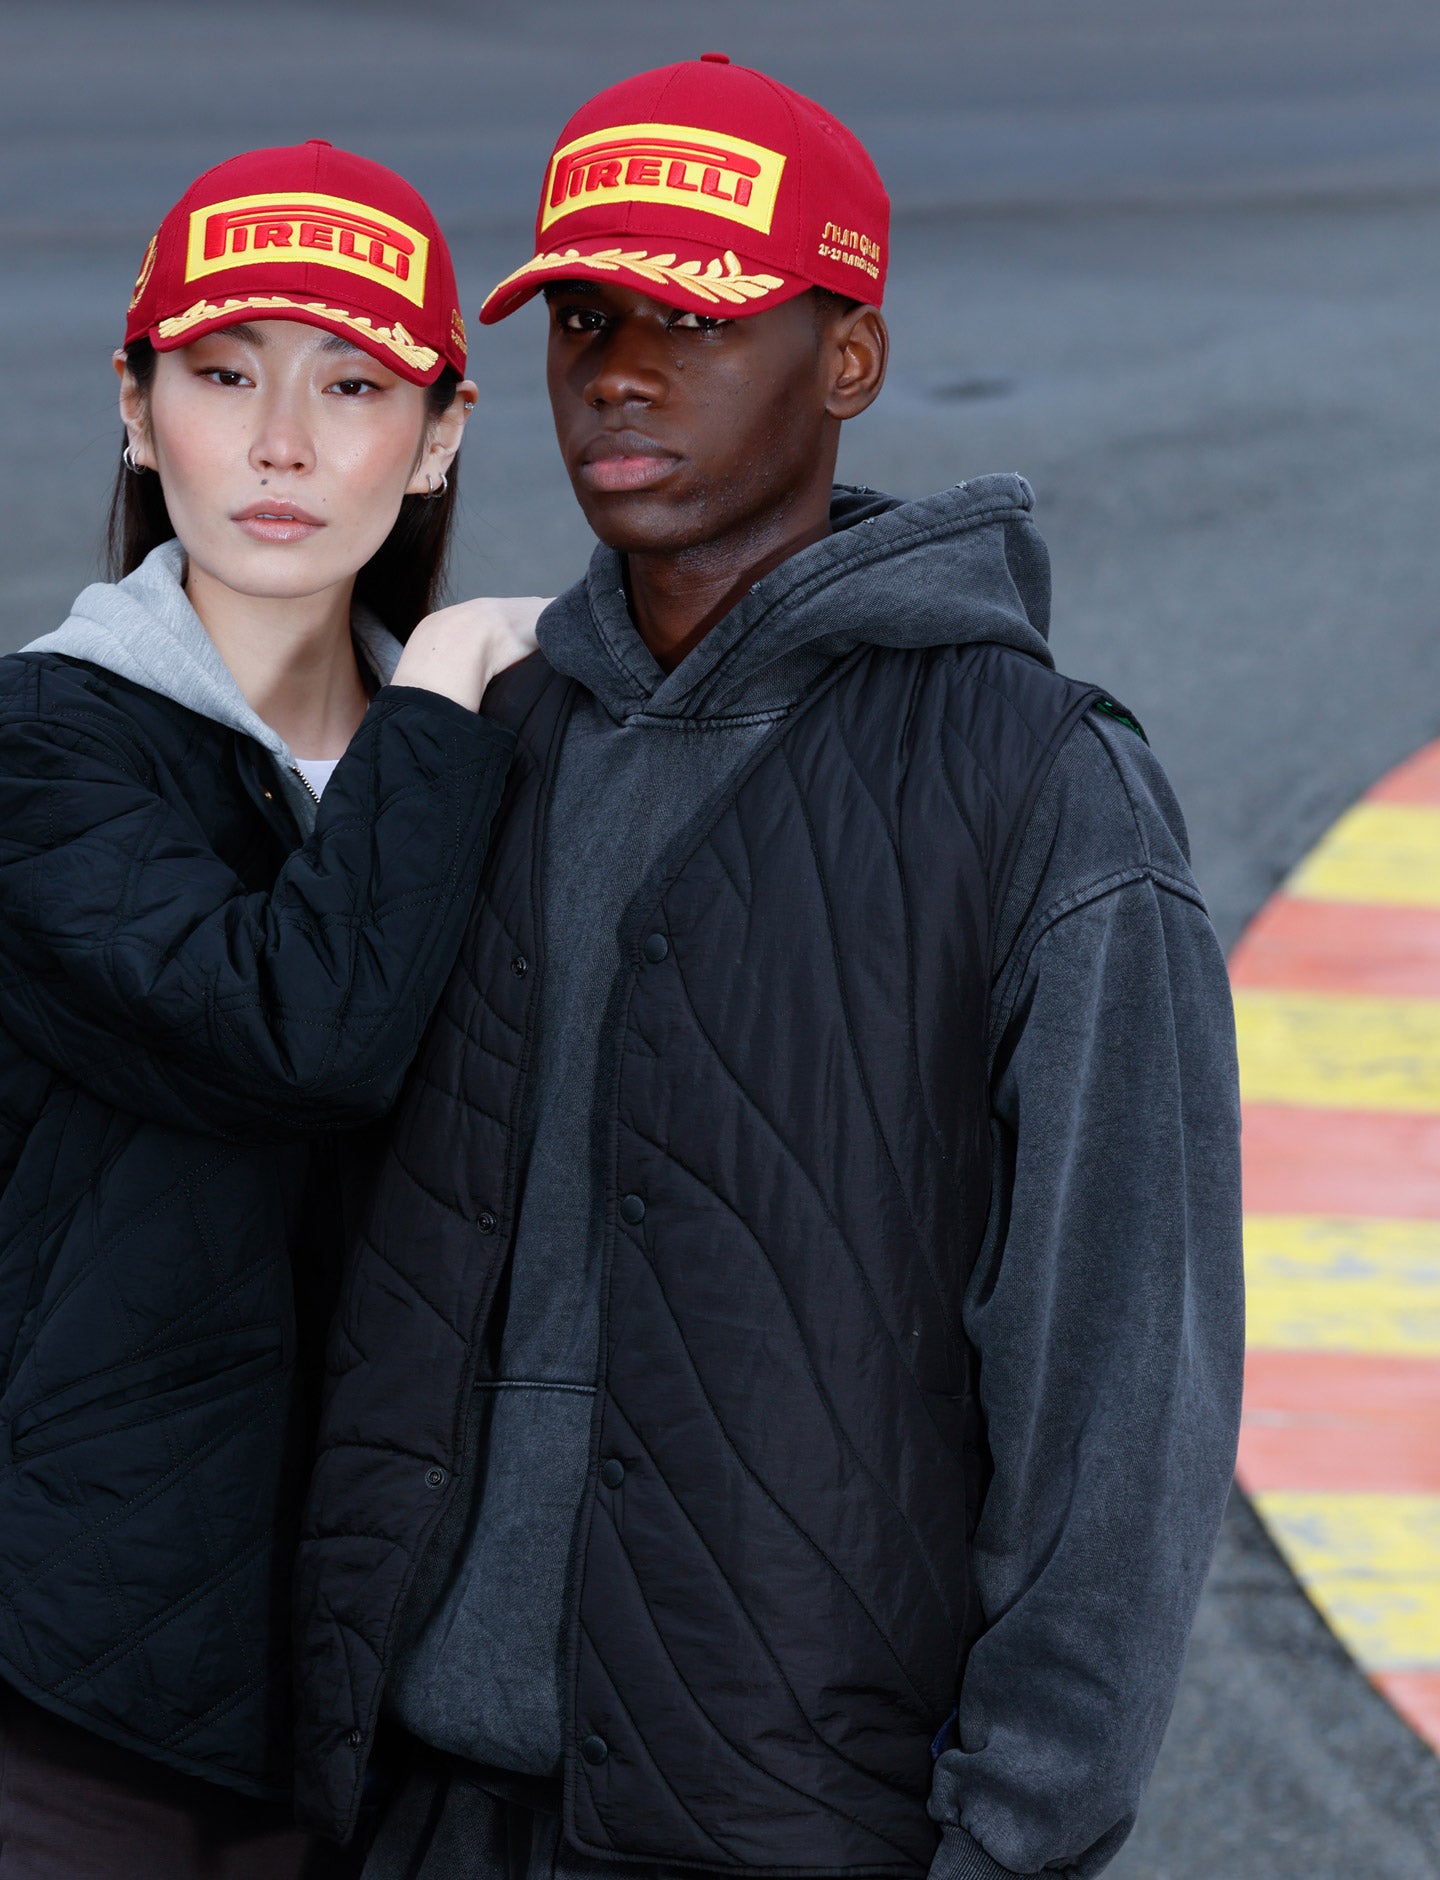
672 79
783 93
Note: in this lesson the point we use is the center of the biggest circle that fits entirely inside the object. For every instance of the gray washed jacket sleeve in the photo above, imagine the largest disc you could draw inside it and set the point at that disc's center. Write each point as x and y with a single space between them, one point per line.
1107 1311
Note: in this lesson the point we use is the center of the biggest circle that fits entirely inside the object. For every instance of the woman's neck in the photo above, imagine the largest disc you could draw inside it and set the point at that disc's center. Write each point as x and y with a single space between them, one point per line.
294 660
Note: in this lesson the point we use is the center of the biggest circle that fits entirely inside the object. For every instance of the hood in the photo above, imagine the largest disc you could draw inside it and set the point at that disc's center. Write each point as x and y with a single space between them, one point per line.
144 629
965 565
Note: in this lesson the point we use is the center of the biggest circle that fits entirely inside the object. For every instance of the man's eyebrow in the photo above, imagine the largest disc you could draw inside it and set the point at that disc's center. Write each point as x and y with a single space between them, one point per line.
570 287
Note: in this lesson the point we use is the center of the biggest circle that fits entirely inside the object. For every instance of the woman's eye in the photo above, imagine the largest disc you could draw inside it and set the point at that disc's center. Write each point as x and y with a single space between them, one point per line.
223 375
698 322
353 388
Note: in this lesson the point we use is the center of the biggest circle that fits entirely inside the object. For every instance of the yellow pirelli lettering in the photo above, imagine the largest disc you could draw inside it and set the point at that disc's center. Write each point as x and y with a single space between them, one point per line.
1331 1051
258 231
673 164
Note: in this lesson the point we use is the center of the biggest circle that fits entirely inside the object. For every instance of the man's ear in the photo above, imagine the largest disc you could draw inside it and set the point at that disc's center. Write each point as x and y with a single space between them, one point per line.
858 343
442 440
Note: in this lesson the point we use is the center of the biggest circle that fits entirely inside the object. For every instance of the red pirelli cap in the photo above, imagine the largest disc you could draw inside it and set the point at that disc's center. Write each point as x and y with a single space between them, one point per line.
308 233
711 187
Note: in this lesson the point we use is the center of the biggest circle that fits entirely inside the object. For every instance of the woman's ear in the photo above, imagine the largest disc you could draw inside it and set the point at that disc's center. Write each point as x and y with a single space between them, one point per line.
442 440
134 413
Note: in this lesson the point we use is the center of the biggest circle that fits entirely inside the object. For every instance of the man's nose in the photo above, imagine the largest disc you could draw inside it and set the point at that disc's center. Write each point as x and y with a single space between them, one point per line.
631 368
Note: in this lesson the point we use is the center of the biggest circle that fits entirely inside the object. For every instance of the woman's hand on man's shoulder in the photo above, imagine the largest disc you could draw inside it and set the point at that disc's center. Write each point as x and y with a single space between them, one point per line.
459 650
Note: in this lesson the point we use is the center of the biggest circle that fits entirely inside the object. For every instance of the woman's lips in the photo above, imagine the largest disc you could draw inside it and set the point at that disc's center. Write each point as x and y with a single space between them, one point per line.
278 522
622 469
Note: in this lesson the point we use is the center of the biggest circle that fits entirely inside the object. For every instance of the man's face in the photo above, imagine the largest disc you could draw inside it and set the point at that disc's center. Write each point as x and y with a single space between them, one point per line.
680 430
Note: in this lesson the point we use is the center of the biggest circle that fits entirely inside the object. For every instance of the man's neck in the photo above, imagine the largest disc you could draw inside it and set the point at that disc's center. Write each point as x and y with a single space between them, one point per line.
677 598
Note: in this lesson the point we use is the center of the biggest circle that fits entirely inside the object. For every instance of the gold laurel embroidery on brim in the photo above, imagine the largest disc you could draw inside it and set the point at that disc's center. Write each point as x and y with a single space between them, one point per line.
394 338
719 278
147 268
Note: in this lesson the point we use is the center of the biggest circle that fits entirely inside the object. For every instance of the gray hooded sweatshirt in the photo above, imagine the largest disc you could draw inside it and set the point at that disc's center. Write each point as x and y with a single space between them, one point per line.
1105 1307
144 629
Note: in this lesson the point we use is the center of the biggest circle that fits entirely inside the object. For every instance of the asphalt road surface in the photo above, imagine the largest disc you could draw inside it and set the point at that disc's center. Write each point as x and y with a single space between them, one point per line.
1181 266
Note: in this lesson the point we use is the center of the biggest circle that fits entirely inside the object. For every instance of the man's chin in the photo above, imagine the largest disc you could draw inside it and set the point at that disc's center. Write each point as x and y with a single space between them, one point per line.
639 522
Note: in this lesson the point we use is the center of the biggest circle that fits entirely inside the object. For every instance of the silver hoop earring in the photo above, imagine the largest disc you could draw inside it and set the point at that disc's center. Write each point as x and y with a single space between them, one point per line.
434 495
128 458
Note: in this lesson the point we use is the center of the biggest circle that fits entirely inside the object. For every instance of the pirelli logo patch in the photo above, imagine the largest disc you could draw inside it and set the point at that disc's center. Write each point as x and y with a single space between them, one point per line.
666 163
306 229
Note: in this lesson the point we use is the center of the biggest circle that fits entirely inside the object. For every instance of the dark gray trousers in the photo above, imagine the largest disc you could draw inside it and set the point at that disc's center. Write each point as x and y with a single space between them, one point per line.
73 1807
442 1826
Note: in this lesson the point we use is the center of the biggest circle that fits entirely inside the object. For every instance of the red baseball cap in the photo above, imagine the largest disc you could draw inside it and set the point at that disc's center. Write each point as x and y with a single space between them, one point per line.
711 187
309 233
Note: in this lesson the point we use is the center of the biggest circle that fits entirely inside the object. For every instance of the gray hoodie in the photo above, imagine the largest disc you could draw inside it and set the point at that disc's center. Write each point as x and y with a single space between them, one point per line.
144 629
1106 1306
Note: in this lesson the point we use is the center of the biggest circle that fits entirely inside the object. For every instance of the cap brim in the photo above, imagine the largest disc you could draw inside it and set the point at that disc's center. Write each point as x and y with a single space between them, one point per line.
392 345
696 279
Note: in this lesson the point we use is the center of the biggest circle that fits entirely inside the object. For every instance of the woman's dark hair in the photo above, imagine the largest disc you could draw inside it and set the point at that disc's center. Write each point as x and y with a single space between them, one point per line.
403 580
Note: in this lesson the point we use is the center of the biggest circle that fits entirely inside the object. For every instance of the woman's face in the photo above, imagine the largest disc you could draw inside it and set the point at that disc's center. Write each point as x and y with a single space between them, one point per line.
283 452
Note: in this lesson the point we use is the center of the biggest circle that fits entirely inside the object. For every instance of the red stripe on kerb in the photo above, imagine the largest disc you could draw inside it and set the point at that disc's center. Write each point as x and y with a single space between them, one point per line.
1416 1695
1417 780
1331 946
1340 1423
1341 1162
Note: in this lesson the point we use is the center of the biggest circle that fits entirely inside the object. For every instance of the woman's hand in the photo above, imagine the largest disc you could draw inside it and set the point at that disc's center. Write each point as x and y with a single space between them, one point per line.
459 650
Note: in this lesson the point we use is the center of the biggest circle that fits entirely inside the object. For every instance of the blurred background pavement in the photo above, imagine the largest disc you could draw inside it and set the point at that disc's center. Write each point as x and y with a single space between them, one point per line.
1180 266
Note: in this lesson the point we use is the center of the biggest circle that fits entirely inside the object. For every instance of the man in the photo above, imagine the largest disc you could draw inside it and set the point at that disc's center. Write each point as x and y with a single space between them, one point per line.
788 1383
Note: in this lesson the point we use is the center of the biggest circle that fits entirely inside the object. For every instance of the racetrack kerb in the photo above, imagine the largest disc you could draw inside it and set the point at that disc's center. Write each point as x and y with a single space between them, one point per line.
1337 988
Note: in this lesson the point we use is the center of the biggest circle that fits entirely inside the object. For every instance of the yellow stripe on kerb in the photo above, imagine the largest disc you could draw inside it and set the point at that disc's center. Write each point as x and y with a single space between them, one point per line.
1328 1051
1371 1563
1326 1283
1387 854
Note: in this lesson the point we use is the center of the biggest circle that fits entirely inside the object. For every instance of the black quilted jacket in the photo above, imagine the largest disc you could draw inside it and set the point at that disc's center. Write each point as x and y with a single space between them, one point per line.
771 1591
192 1004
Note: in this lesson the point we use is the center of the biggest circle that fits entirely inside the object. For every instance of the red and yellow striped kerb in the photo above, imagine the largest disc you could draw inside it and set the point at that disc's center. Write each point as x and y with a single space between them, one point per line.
1337 997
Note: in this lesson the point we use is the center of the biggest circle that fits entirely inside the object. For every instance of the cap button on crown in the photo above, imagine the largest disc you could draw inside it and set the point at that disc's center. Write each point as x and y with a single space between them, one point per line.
715 58
324 142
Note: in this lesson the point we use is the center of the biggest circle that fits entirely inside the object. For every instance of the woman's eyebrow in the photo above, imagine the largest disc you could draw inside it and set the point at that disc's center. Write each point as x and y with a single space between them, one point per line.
336 343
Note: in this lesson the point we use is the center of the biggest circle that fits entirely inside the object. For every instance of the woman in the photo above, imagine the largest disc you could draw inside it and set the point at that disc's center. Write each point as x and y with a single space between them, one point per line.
239 829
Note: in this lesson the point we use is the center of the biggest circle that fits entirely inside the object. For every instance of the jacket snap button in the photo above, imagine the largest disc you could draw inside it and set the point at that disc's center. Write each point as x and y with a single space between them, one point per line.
595 1749
355 1738
434 1477
486 1221
612 1472
656 948
519 966
632 1210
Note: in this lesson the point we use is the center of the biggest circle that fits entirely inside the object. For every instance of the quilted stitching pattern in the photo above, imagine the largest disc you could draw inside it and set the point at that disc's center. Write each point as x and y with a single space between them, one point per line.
168 968
773 1608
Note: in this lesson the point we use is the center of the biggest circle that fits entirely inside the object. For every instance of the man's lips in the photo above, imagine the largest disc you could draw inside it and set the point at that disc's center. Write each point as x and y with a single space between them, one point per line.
277 521
624 460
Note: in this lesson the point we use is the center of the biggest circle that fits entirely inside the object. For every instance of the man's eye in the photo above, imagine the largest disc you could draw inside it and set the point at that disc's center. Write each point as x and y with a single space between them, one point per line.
579 319
698 322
